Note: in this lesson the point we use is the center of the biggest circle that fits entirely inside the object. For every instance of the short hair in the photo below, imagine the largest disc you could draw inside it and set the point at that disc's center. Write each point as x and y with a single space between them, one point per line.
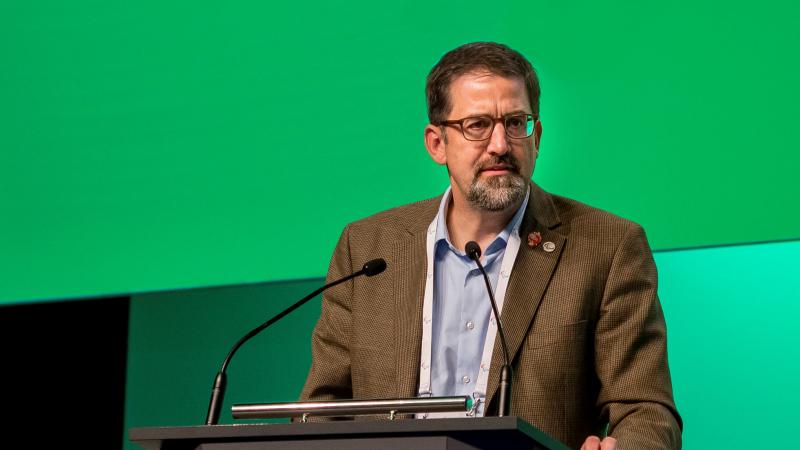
492 57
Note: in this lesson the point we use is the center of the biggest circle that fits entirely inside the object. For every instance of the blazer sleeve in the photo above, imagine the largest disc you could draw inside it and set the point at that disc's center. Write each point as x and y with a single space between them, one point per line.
329 376
631 352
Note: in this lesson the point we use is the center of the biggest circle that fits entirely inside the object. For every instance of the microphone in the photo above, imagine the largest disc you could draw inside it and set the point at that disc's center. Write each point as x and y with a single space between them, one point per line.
474 252
371 268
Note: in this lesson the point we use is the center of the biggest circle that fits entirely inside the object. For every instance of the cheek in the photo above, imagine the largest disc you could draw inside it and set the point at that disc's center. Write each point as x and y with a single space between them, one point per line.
462 160
527 157
462 169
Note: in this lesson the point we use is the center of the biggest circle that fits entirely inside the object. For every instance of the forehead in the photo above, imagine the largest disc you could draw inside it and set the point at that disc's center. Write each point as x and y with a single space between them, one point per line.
487 93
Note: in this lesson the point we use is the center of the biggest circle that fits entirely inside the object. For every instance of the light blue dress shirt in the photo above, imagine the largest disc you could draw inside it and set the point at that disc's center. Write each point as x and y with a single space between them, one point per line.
461 307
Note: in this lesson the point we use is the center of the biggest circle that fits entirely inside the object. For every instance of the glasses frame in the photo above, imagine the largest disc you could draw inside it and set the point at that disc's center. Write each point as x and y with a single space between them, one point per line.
460 123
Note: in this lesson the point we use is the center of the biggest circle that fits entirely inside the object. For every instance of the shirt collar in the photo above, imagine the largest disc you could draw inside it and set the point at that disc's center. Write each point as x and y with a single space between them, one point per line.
442 234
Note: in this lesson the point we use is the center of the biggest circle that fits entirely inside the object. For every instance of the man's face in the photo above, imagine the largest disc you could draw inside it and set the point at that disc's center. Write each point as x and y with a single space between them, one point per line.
490 175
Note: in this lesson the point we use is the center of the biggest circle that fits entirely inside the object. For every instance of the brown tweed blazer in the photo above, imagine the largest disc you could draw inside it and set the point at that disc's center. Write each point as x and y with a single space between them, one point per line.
583 323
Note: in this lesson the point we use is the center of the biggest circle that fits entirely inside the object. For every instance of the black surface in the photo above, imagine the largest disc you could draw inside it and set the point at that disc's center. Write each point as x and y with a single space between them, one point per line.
489 432
63 367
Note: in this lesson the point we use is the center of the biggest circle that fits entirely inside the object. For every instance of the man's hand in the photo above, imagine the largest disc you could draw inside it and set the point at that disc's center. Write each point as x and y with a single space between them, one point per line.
594 443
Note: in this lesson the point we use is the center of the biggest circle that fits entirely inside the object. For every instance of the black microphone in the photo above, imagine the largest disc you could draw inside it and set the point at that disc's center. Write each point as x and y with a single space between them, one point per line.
371 268
474 252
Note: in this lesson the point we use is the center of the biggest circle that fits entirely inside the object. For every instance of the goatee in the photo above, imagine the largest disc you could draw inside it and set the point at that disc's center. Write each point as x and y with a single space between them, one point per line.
496 193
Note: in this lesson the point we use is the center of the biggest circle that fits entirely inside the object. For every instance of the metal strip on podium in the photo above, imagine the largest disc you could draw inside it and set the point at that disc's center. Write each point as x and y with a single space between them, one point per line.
389 407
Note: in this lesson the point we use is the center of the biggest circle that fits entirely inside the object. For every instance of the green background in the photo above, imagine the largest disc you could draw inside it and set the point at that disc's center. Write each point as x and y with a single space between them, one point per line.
204 158
166 145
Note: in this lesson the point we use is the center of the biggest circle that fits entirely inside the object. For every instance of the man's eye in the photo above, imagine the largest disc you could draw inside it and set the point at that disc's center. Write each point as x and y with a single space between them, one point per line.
477 124
516 121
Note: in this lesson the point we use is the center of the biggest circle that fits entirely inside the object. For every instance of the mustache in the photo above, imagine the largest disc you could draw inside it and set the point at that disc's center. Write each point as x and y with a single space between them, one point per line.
506 159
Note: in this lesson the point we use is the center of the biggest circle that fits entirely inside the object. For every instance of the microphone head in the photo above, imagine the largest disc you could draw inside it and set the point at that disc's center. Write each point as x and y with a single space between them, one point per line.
473 250
374 267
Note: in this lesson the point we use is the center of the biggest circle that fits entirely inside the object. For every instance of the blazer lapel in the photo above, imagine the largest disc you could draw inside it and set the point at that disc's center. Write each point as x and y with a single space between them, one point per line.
530 276
409 253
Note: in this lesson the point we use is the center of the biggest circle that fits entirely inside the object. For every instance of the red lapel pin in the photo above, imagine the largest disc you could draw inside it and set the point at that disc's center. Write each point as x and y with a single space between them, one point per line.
534 239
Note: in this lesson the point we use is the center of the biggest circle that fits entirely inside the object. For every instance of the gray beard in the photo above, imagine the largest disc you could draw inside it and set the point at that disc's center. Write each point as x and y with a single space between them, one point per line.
497 193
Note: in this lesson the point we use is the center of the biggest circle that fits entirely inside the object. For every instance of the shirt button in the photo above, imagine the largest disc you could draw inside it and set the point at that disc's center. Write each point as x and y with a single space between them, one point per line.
465 379
470 325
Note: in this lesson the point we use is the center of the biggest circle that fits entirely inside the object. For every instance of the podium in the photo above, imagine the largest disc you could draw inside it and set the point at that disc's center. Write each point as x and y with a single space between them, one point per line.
452 434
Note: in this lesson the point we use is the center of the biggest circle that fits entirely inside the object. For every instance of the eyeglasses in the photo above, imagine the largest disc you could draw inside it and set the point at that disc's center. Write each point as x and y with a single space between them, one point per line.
479 128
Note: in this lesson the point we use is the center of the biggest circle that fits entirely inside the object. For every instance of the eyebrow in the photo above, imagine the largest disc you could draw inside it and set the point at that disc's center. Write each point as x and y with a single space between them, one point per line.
511 113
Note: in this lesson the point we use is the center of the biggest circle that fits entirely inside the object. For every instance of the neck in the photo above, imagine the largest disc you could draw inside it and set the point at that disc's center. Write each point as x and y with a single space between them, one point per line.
465 223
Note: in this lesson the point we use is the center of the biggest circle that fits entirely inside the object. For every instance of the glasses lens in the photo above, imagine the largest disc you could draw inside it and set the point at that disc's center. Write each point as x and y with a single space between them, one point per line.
477 128
519 125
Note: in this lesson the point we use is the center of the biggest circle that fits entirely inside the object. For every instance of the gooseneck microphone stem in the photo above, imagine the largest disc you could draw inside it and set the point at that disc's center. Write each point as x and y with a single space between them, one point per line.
371 268
473 250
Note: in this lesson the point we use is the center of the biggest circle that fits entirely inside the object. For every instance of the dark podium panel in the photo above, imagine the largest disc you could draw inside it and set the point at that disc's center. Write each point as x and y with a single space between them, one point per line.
451 434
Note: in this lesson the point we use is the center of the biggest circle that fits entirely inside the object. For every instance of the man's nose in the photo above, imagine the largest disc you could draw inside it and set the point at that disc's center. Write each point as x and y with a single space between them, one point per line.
498 141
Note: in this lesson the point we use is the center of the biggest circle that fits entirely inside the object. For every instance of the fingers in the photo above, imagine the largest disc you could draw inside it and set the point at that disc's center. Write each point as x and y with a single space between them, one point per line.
594 443
591 443
608 443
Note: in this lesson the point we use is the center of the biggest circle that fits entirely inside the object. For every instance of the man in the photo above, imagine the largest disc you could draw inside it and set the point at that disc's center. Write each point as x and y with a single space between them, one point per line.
576 286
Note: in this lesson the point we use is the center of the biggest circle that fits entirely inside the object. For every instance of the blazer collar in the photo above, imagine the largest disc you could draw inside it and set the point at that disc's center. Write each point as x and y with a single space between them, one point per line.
541 210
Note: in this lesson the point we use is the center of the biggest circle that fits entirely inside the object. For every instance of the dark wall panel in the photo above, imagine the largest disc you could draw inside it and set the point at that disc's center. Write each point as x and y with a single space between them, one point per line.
179 339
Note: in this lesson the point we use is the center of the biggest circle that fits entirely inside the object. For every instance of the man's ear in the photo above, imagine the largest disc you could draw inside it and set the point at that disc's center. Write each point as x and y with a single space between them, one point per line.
435 143
537 136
